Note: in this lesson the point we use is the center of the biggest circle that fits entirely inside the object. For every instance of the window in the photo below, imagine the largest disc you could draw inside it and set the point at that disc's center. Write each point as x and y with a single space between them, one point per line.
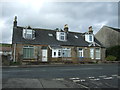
76 36
90 38
54 53
50 34
28 52
59 53
28 34
92 53
97 52
61 36
80 52
66 52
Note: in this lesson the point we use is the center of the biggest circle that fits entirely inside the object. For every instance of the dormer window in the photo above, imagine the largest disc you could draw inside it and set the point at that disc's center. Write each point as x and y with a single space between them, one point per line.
61 36
89 37
28 34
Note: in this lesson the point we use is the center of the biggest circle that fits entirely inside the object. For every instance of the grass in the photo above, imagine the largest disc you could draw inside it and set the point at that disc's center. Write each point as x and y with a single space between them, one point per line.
5 45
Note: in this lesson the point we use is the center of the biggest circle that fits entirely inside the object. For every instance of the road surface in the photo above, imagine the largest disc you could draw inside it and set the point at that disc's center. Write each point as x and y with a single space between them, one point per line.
85 75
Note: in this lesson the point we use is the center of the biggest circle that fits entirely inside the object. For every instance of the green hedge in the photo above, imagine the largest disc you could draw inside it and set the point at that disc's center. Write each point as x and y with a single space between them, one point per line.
111 58
114 51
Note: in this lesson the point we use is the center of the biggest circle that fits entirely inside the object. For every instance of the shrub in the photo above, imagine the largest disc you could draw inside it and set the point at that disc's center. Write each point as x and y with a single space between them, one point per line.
15 63
111 58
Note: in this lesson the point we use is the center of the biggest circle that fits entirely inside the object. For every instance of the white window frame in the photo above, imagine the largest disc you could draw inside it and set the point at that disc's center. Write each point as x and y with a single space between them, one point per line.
90 38
87 37
66 50
57 51
61 51
80 52
27 32
92 53
62 36
98 52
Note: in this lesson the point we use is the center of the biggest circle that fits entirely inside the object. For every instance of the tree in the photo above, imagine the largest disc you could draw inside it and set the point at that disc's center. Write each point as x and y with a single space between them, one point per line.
114 51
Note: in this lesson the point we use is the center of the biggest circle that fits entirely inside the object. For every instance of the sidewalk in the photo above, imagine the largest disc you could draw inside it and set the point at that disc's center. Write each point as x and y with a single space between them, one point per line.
37 83
53 65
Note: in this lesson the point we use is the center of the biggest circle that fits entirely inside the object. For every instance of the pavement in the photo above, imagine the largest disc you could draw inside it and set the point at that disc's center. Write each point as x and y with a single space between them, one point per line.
38 83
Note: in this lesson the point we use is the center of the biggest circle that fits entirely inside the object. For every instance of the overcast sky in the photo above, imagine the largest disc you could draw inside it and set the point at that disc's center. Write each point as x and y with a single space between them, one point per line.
50 15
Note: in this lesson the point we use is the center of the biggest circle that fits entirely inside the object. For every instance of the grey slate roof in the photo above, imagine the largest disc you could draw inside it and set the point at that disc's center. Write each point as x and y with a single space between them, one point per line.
42 38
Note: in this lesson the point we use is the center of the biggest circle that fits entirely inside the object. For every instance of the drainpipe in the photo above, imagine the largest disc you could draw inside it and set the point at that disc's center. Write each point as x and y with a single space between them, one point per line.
14 53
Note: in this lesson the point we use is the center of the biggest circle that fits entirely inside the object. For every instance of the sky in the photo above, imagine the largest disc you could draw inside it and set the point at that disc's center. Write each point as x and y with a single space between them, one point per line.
50 15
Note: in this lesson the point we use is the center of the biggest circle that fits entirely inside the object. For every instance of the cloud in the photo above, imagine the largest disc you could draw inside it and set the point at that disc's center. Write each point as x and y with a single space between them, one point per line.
50 15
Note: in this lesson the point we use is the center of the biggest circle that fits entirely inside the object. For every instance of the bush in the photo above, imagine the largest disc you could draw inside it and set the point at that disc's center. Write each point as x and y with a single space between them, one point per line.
15 63
111 58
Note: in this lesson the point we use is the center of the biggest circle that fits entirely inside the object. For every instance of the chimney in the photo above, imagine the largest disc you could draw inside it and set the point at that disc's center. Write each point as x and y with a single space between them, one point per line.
15 21
90 30
66 28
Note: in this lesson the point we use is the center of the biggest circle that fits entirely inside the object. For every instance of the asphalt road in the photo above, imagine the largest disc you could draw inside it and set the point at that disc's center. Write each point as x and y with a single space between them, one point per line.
88 75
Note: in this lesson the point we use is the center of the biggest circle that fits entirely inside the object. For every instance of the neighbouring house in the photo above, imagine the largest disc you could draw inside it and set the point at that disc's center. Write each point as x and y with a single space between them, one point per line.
45 45
5 51
5 54
108 36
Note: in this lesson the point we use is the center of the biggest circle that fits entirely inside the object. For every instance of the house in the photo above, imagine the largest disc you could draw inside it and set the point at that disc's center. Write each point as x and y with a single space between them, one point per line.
108 36
44 45
5 51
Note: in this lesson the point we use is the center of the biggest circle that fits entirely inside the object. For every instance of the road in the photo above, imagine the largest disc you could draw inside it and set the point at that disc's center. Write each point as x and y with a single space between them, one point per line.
88 75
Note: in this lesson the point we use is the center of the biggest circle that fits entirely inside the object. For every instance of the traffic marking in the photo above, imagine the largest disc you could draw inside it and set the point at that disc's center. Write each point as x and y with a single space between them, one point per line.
102 76
96 79
91 77
114 75
82 80
108 78
74 78
58 79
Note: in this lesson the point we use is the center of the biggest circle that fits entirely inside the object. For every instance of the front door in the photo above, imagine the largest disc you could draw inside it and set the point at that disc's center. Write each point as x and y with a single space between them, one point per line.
44 55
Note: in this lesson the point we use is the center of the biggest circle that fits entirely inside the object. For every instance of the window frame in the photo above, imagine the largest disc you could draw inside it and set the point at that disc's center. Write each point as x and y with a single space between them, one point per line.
80 52
28 34
90 38
66 50
28 55
92 56
98 52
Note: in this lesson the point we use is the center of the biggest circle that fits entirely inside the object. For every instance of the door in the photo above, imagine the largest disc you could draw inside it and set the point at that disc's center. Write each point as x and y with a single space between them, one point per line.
44 55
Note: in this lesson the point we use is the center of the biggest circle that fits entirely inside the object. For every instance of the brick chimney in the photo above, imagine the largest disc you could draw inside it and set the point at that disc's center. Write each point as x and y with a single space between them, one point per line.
66 28
90 30
15 22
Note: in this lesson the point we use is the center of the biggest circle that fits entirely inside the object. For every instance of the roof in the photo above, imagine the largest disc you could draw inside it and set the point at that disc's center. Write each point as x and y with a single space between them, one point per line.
5 48
42 38
116 29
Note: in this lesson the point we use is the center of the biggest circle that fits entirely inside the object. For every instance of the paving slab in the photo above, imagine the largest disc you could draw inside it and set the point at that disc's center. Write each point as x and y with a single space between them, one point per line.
36 83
